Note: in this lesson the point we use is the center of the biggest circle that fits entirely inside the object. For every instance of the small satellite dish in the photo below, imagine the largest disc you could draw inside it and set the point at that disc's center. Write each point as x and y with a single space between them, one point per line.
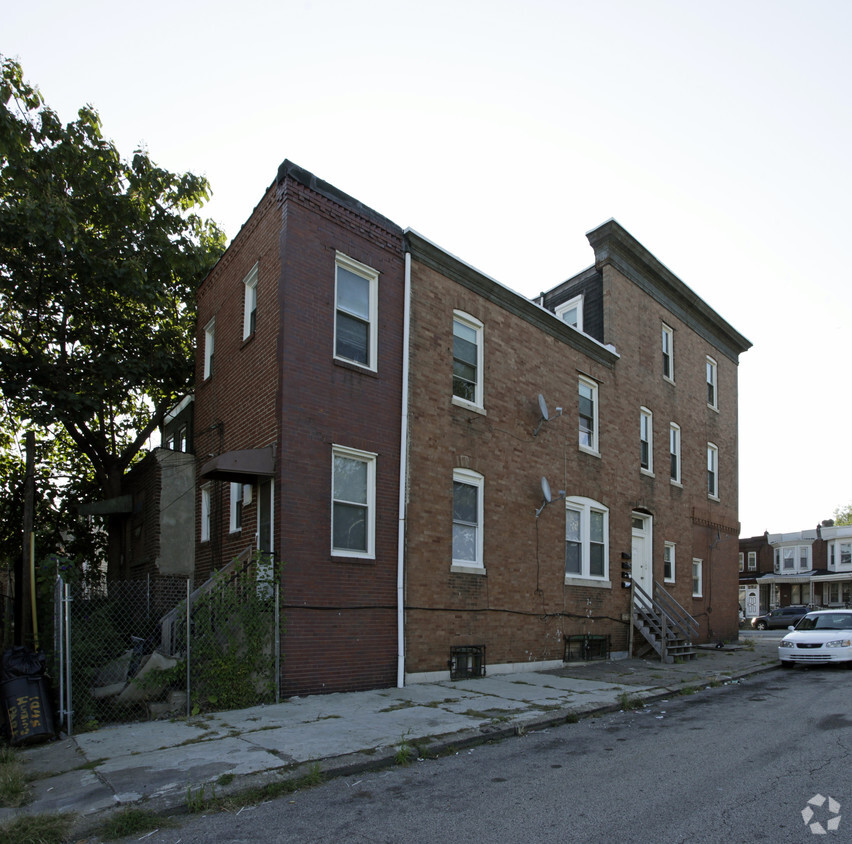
545 490
542 404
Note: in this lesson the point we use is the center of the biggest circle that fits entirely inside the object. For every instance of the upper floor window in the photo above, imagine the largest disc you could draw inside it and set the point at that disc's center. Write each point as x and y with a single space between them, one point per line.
250 303
209 343
588 413
712 471
586 539
353 507
742 561
571 312
752 560
467 359
792 558
356 312
712 377
181 440
646 440
669 562
674 453
467 518
668 352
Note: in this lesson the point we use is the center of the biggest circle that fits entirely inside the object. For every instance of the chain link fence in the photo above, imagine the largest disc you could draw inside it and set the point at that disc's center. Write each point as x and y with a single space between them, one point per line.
137 650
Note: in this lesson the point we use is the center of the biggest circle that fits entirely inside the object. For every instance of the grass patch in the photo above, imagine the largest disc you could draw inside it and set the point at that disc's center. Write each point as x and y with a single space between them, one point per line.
403 704
688 690
13 781
225 779
404 752
37 829
132 821
628 702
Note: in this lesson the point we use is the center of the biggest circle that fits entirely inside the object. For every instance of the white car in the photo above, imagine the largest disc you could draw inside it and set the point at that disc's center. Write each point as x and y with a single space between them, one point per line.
820 637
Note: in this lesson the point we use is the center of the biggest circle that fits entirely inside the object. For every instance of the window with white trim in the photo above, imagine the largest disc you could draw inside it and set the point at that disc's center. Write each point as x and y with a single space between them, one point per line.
356 288
571 312
668 352
646 440
467 360
669 562
468 513
250 303
209 343
752 560
205 513
353 504
697 566
588 414
712 471
674 453
236 517
586 539
712 379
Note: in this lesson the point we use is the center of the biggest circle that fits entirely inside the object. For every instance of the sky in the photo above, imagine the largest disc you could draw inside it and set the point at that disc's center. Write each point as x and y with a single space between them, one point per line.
718 134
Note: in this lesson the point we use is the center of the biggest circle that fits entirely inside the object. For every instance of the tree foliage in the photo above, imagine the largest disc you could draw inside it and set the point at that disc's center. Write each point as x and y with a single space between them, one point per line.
100 258
843 515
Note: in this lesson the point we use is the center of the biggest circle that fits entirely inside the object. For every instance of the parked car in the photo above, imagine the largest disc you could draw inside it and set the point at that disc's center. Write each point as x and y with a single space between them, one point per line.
818 638
782 617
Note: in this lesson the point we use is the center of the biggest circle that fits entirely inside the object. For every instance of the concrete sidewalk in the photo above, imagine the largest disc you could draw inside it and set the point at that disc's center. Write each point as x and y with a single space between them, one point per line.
161 762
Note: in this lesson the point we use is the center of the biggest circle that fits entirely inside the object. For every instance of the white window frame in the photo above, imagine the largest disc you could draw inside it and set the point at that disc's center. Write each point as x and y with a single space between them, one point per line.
209 347
585 507
250 303
752 560
713 471
205 512
697 577
371 276
594 448
674 451
368 458
646 436
236 508
570 305
474 479
669 559
712 371
667 342
472 324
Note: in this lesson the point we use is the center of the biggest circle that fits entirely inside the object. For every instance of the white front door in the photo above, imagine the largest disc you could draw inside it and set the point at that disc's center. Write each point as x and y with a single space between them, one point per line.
641 559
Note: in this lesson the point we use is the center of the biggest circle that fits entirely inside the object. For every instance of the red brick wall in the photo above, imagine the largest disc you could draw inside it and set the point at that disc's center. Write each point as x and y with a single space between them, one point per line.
340 611
522 608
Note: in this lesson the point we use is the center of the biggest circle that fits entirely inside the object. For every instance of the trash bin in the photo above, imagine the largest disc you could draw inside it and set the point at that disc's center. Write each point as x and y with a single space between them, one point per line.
27 709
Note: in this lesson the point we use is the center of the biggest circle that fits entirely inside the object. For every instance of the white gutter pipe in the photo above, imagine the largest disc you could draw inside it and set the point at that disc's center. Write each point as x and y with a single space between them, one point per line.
403 482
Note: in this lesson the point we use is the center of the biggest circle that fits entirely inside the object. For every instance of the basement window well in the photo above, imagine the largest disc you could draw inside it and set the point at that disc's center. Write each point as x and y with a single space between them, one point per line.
467 661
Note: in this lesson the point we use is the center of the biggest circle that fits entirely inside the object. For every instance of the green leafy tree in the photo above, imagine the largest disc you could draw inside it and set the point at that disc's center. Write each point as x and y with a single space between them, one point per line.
100 258
843 515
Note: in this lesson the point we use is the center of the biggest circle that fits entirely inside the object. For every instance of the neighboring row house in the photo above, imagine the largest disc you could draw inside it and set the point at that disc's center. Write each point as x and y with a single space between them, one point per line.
379 416
811 567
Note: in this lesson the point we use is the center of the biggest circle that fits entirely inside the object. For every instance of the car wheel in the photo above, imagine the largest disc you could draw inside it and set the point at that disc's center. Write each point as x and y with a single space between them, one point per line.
786 663
761 625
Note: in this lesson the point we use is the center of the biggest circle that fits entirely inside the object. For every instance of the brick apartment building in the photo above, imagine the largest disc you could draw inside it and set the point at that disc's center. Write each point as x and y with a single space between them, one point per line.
367 410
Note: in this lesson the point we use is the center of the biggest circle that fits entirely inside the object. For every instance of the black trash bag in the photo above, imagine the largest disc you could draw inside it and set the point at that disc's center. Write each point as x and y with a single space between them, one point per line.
20 661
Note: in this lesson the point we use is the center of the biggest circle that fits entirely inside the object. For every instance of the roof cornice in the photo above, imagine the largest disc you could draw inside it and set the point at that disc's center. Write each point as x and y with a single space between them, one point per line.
441 261
615 246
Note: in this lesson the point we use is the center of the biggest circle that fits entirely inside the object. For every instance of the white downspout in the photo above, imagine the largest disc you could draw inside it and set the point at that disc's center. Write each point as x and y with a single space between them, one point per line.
403 482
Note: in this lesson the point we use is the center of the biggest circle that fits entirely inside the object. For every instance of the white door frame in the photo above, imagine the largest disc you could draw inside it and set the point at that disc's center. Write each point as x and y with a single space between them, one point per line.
642 551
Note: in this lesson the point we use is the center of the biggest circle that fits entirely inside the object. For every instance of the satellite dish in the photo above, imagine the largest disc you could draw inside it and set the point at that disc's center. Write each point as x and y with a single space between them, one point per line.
545 490
542 404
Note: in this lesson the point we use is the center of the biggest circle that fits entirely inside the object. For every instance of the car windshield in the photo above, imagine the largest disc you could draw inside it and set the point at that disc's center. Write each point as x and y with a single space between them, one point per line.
829 621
